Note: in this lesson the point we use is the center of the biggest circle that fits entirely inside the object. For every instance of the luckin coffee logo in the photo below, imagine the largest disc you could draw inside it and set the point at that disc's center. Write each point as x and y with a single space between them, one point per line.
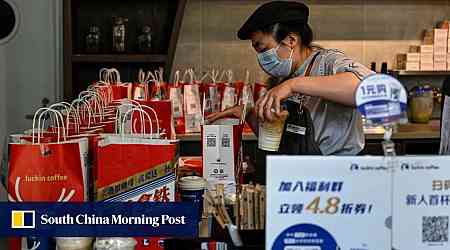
357 167
22 219
408 166
354 167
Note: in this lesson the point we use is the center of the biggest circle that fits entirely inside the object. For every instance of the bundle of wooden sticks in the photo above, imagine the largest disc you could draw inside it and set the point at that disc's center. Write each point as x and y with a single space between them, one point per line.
250 208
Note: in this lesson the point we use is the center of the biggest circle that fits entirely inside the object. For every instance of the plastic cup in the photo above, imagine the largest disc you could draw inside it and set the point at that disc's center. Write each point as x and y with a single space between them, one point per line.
115 244
192 189
270 133
74 243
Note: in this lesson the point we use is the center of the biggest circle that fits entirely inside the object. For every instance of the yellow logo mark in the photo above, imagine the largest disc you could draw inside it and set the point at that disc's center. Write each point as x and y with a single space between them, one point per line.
22 219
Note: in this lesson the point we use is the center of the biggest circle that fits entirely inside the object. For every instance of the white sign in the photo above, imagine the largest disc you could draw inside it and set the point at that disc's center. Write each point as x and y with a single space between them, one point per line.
422 203
218 156
328 203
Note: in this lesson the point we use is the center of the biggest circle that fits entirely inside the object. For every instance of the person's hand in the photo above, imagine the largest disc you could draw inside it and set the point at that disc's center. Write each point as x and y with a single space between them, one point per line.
269 105
235 111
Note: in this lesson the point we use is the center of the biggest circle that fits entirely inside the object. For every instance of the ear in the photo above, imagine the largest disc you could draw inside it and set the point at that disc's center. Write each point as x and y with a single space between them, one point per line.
292 40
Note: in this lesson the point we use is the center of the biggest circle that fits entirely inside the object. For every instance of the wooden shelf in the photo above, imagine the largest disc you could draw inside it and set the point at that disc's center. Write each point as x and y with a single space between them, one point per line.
420 73
139 58
80 68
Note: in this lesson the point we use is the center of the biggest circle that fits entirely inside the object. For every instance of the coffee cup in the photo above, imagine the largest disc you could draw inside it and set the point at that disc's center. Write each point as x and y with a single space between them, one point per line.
270 133
192 189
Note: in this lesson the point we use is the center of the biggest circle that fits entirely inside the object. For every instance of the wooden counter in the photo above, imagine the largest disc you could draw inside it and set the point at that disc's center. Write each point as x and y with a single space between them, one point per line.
408 131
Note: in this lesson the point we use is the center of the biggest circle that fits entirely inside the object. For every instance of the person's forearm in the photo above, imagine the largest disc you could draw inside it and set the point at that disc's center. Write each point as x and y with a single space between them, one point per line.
339 88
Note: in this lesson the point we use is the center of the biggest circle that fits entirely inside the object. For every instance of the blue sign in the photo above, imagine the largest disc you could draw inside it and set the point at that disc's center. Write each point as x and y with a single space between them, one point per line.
103 219
381 99
305 236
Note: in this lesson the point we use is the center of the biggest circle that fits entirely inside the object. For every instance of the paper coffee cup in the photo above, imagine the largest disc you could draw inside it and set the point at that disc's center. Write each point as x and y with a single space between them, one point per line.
270 133
74 243
192 189
115 244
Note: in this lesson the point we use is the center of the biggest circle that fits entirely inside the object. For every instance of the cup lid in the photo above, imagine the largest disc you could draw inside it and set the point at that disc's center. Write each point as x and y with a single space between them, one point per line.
192 183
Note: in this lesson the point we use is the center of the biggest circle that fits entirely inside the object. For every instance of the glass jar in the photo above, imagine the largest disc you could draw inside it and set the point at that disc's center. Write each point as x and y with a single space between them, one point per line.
145 40
119 34
421 103
93 40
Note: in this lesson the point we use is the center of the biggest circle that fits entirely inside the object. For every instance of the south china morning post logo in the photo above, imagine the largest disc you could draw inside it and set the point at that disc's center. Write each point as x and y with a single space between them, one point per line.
23 219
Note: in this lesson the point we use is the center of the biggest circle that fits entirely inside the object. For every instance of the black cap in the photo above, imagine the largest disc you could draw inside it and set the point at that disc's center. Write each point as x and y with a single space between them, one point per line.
271 13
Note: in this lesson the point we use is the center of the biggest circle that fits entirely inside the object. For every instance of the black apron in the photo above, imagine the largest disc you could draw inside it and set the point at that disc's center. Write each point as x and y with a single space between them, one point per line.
298 134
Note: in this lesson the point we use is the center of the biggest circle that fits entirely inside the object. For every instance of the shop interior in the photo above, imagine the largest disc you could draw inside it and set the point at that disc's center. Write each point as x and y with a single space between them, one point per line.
51 50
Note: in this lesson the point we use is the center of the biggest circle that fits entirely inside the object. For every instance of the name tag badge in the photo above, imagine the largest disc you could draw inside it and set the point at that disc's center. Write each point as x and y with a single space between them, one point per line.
296 129
295 98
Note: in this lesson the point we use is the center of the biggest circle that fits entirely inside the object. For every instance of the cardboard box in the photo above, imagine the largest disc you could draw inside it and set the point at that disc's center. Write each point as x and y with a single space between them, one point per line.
426 66
426 57
440 49
413 57
441 66
440 34
426 49
412 66
440 58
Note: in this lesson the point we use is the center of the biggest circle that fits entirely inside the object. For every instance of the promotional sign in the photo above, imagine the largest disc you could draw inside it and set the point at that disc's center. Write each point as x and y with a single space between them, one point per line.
421 203
328 203
105 219
221 144
445 127
381 99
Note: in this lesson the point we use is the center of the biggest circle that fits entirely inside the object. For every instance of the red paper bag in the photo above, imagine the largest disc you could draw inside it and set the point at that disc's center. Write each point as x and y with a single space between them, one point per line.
136 162
48 172
164 119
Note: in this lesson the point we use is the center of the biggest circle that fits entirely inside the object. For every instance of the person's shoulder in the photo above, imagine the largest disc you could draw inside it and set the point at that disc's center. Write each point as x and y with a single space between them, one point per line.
331 52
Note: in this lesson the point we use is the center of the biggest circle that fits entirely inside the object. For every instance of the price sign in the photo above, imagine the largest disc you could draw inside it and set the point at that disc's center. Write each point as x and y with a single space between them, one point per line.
328 203
381 99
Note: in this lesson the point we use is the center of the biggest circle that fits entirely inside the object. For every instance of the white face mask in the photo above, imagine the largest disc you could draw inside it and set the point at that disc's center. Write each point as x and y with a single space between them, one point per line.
273 65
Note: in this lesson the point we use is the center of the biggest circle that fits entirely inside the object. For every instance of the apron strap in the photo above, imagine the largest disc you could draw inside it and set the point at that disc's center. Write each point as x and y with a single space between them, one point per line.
308 70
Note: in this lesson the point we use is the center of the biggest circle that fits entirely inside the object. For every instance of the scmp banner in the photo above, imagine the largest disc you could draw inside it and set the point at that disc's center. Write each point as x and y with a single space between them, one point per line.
170 219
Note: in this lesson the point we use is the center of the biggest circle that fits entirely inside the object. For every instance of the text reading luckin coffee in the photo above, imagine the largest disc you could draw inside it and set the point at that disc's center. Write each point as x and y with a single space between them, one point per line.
50 178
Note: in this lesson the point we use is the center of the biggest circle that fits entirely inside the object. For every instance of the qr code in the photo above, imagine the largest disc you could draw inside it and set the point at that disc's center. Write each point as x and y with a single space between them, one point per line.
435 229
211 142
226 142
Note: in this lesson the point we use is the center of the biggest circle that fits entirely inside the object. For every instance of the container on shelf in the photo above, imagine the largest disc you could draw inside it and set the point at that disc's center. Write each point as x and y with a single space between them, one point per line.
421 104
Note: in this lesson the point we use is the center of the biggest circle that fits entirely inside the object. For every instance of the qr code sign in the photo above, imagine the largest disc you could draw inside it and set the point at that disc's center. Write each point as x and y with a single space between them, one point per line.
226 142
435 229
211 142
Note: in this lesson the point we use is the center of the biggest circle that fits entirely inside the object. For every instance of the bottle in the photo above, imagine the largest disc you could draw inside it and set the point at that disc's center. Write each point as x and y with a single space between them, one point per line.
373 66
384 68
